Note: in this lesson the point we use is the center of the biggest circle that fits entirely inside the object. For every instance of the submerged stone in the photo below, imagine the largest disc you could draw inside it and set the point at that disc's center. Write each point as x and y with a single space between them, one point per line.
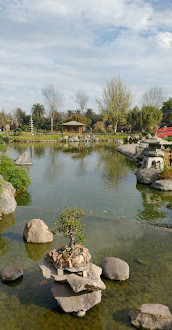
11 273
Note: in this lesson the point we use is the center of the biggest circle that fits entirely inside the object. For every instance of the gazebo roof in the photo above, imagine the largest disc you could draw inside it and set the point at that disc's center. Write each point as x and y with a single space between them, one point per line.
73 123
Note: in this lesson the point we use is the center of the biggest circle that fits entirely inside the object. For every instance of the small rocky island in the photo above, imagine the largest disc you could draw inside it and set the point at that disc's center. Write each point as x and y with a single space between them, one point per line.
77 284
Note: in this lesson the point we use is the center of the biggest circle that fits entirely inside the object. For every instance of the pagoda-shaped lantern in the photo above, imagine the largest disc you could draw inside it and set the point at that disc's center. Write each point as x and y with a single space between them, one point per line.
31 125
154 156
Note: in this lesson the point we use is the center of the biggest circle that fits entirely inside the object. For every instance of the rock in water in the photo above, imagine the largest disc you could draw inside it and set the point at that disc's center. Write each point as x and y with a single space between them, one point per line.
7 201
11 273
23 159
151 316
147 176
36 231
70 301
165 185
115 269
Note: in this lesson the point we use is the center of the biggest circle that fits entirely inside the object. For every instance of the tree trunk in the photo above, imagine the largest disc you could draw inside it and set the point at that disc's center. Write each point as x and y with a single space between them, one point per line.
115 129
51 123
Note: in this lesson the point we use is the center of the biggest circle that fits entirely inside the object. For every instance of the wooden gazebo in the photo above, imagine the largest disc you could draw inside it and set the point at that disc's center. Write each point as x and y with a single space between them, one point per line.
73 127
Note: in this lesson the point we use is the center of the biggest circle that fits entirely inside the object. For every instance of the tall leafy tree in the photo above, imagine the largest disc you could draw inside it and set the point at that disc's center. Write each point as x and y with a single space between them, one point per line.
115 102
167 112
38 110
151 118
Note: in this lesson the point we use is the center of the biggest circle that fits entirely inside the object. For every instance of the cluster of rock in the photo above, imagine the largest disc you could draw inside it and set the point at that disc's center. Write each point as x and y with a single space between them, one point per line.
77 284
7 200
151 316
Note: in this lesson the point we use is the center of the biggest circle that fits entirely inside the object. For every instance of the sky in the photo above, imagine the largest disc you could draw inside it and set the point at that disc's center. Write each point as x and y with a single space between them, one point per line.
82 44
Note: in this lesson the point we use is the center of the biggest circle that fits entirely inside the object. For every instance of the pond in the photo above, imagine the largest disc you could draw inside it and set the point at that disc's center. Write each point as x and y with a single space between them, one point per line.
120 218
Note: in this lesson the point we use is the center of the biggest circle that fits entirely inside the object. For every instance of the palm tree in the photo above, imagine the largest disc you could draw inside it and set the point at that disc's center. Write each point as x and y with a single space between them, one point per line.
38 110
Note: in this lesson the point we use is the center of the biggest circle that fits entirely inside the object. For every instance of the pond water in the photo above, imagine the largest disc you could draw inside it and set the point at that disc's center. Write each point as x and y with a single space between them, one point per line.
119 218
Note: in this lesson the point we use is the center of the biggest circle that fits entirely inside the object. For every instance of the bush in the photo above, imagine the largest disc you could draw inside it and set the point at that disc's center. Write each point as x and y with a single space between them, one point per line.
166 174
70 224
18 177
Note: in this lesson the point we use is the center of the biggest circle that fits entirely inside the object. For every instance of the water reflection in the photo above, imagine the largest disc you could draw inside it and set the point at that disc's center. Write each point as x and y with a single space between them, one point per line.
152 203
23 199
113 165
36 251
5 223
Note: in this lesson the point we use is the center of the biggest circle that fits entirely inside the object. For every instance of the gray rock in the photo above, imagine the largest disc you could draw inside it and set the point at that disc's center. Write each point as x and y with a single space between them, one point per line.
147 176
36 231
7 201
115 269
70 301
11 273
151 316
23 159
165 185
119 142
78 283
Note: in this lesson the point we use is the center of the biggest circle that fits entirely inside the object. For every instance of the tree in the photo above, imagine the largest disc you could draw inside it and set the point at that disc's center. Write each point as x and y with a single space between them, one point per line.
115 102
21 118
81 99
70 224
154 97
150 117
134 119
53 100
38 110
167 112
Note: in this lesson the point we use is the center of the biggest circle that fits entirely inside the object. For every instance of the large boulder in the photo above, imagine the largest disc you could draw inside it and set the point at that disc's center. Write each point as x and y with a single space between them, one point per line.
23 159
151 316
70 301
7 201
115 269
36 231
11 273
165 185
147 176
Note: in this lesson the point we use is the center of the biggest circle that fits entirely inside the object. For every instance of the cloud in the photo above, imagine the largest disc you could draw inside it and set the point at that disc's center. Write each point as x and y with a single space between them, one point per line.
81 44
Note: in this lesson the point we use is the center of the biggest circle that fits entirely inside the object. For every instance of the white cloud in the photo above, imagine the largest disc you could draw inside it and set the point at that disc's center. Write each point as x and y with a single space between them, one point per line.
81 44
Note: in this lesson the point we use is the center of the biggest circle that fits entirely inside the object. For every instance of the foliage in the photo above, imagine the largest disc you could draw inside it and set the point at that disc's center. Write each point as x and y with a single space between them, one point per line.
134 119
38 110
167 112
12 173
166 174
70 224
150 118
99 127
3 147
115 102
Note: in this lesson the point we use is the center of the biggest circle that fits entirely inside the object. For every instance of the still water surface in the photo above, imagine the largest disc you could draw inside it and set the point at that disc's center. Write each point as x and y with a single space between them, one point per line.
119 218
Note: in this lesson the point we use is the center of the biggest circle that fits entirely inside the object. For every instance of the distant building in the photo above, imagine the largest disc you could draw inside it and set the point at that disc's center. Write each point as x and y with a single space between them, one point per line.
73 127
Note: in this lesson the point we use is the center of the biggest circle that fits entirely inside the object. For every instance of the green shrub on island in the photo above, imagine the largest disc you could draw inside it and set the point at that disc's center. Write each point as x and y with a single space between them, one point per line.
70 224
18 177
166 174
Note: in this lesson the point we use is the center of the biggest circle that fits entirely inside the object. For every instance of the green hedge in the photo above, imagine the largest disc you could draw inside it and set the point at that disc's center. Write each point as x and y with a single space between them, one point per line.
12 173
